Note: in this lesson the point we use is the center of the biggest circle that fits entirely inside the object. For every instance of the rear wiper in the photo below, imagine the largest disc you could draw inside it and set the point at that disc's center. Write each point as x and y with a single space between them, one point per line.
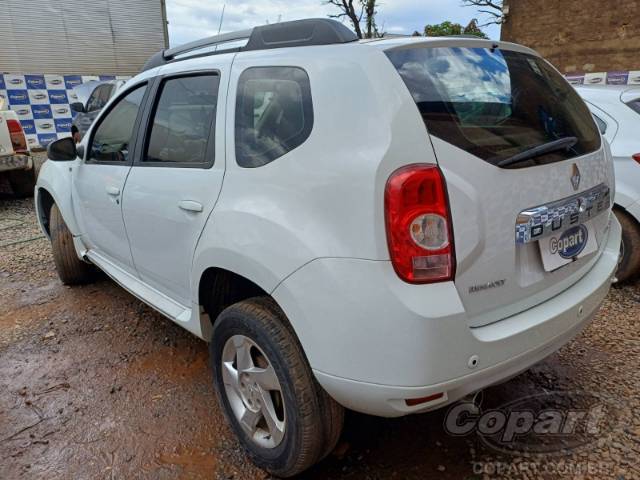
560 144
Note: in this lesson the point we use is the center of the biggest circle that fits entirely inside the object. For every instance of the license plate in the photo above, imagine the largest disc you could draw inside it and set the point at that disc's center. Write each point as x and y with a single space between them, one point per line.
564 247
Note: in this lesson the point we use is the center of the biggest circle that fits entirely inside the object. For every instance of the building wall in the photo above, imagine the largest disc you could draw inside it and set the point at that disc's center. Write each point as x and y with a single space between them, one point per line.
80 37
578 35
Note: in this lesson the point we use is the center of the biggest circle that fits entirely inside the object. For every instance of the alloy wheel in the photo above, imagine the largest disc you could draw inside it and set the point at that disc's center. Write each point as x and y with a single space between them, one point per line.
253 391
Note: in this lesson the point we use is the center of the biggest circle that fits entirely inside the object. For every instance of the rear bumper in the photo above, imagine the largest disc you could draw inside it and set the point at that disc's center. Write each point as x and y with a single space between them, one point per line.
15 162
372 346
389 401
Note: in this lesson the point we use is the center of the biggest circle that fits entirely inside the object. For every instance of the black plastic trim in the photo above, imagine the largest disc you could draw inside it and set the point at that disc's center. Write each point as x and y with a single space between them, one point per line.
298 33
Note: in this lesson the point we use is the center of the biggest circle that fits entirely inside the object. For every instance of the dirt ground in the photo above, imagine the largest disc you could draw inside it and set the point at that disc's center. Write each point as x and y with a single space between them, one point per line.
94 384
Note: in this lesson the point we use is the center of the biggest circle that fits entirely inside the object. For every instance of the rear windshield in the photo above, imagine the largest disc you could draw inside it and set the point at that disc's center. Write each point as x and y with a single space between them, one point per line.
497 104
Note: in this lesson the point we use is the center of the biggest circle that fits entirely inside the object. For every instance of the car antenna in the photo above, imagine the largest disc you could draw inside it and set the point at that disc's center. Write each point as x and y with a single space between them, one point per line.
221 18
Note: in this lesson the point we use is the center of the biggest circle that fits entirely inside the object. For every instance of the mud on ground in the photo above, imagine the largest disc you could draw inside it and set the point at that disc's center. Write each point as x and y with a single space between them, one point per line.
94 384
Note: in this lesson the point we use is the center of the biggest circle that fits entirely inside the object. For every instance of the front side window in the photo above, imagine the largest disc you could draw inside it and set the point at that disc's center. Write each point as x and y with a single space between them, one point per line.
274 113
183 120
114 134
508 108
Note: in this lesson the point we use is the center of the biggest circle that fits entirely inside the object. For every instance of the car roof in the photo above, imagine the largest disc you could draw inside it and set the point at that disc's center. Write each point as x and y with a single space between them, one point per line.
624 93
309 33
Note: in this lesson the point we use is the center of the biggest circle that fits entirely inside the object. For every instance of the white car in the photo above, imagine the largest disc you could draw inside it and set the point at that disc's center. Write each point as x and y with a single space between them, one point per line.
617 113
385 226
90 98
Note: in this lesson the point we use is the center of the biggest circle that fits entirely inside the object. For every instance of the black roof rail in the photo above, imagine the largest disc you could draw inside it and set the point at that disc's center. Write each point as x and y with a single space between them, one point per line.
298 33
464 35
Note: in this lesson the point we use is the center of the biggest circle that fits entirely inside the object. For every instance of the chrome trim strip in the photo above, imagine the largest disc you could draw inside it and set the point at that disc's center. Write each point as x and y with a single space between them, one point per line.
539 222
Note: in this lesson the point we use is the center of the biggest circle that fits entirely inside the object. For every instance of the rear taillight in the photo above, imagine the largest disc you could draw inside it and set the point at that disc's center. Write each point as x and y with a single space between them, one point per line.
636 157
18 140
418 221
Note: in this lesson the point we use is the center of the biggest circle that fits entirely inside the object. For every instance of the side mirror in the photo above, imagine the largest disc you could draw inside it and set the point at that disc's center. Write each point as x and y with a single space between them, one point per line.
62 150
77 107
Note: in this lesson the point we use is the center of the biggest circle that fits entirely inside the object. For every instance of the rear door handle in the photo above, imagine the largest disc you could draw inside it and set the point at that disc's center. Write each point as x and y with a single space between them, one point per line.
190 206
113 191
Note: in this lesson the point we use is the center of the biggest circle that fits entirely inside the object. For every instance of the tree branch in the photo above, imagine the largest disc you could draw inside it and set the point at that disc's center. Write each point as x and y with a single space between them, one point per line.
357 11
493 8
494 4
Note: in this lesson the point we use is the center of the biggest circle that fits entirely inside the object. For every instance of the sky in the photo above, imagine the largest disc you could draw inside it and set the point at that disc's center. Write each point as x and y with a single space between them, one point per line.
193 19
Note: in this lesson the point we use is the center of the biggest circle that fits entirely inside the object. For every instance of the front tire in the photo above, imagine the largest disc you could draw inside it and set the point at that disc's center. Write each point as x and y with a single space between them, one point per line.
629 265
284 420
71 270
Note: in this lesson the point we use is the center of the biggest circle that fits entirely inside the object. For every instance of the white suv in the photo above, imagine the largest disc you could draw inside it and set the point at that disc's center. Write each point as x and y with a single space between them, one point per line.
617 112
385 226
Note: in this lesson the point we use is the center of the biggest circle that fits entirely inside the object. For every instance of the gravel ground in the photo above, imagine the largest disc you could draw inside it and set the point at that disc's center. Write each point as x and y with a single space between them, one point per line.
94 384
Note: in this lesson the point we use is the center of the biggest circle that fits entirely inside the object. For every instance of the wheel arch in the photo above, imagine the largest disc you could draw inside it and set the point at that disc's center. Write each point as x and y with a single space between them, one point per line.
44 203
219 288
54 187
632 211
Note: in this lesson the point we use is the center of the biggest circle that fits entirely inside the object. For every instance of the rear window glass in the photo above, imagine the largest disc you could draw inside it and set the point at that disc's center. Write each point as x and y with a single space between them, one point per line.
497 104
274 113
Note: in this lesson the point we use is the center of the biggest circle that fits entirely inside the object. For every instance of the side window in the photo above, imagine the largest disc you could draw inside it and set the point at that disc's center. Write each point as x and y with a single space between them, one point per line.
183 120
93 99
105 94
274 113
113 135
98 98
602 126
635 105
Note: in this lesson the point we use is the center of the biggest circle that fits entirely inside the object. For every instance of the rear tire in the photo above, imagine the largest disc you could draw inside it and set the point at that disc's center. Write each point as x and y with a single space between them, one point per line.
71 270
309 422
629 265
23 182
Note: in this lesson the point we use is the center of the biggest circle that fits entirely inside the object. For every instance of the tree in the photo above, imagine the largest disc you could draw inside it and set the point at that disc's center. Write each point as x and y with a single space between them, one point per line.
356 11
474 29
443 29
370 18
492 8
447 28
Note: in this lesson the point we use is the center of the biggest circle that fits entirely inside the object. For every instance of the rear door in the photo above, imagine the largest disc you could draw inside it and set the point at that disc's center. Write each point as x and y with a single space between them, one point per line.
173 187
527 175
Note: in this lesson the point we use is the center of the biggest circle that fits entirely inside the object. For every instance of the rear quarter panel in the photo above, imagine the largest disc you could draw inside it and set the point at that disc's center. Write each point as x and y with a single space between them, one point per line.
324 198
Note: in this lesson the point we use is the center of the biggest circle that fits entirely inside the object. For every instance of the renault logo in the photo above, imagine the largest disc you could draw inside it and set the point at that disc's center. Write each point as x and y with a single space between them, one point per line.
575 177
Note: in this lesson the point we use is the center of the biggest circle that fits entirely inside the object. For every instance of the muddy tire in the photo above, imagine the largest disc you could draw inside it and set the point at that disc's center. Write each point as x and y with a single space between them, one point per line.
284 420
23 182
71 270
629 265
